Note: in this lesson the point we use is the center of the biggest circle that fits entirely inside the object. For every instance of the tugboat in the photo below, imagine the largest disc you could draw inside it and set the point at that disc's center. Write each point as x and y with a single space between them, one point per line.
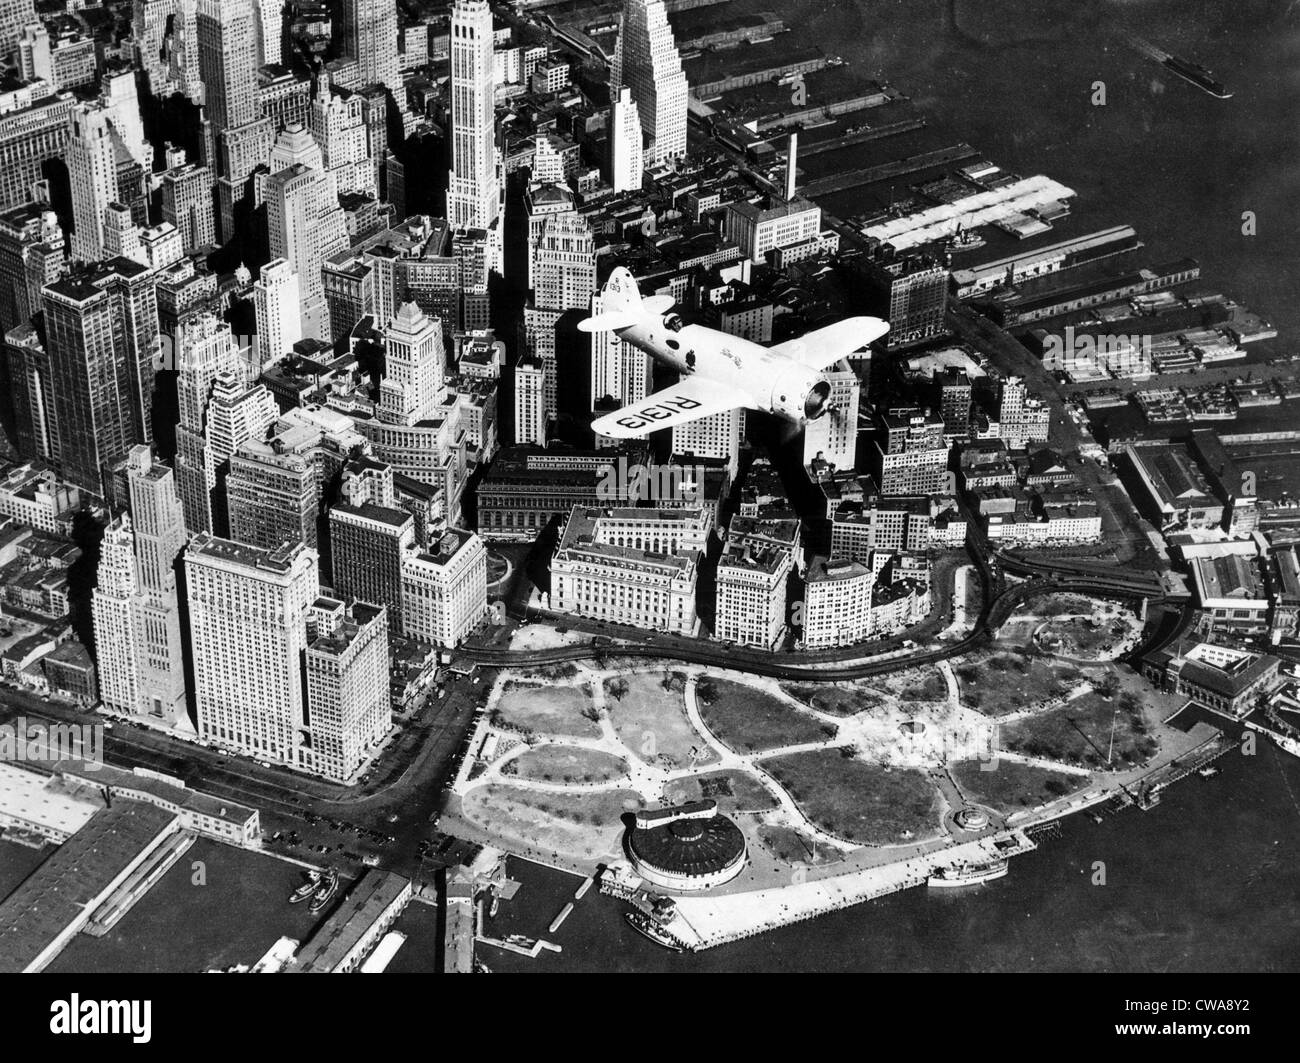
968 874
306 889
1207 772
650 928
324 891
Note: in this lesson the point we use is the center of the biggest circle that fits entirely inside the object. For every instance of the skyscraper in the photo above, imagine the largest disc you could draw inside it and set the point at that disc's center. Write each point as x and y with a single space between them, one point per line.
624 142
227 35
276 305
305 224
647 62
473 191
414 367
187 204
248 633
135 607
96 339
92 172
271 498
368 32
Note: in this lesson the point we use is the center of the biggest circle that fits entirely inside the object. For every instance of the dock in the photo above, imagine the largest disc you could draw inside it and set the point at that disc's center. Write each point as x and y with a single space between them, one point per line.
1148 794
826 186
558 921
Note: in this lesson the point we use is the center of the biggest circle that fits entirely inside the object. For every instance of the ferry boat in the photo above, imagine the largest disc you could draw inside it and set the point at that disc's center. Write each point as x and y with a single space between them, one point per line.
968 874
306 889
324 891
647 927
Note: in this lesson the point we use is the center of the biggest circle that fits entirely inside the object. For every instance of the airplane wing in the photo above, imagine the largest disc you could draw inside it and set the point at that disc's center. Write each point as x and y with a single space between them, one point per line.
825 346
686 401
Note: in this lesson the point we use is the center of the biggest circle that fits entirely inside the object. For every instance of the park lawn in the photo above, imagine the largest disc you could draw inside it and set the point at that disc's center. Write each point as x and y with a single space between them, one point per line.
735 791
857 801
651 721
553 710
794 847
581 825
1052 605
566 764
749 720
1081 638
1000 683
925 683
1010 787
834 698
1079 732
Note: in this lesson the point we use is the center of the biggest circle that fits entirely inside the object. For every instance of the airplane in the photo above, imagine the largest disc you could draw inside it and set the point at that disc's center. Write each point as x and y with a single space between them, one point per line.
719 372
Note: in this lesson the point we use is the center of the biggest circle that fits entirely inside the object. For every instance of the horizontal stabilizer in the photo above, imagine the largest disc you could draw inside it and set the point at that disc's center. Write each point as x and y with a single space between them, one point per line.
657 305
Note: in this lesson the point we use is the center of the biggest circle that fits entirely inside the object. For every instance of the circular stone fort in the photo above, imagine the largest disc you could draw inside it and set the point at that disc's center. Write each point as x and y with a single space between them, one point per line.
687 847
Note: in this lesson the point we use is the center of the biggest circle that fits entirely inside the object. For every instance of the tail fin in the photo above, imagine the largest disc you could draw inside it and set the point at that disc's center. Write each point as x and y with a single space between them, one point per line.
620 301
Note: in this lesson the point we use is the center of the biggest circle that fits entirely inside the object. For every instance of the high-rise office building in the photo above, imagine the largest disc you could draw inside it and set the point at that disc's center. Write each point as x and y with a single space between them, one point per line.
367 544
101 331
414 367
248 635
625 142
473 190
368 34
530 402
444 588
31 256
92 172
187 204
347 686
14 15
226 32
135 607
646 61
271 498
305 224
275 305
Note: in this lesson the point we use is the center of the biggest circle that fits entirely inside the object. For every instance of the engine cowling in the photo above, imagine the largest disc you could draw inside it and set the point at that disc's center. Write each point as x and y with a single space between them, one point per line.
800 395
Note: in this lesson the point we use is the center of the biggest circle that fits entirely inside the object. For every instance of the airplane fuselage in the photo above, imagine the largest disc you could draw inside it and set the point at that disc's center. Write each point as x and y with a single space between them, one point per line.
761 378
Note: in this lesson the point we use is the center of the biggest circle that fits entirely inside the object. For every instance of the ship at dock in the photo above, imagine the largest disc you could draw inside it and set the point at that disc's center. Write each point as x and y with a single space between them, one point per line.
652 929
324 890
967 874
306 889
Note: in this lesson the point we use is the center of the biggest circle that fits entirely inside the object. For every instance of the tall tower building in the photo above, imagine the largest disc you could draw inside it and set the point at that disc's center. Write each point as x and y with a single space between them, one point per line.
187 204
248 633
218 412
530 402
271 498
347 686
834 437
227 34
31 256
473 190
564 278
135 608
414 367
270 29
276 305
369 36
91 158
96 403
646 61
625 142
14 15
305 224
